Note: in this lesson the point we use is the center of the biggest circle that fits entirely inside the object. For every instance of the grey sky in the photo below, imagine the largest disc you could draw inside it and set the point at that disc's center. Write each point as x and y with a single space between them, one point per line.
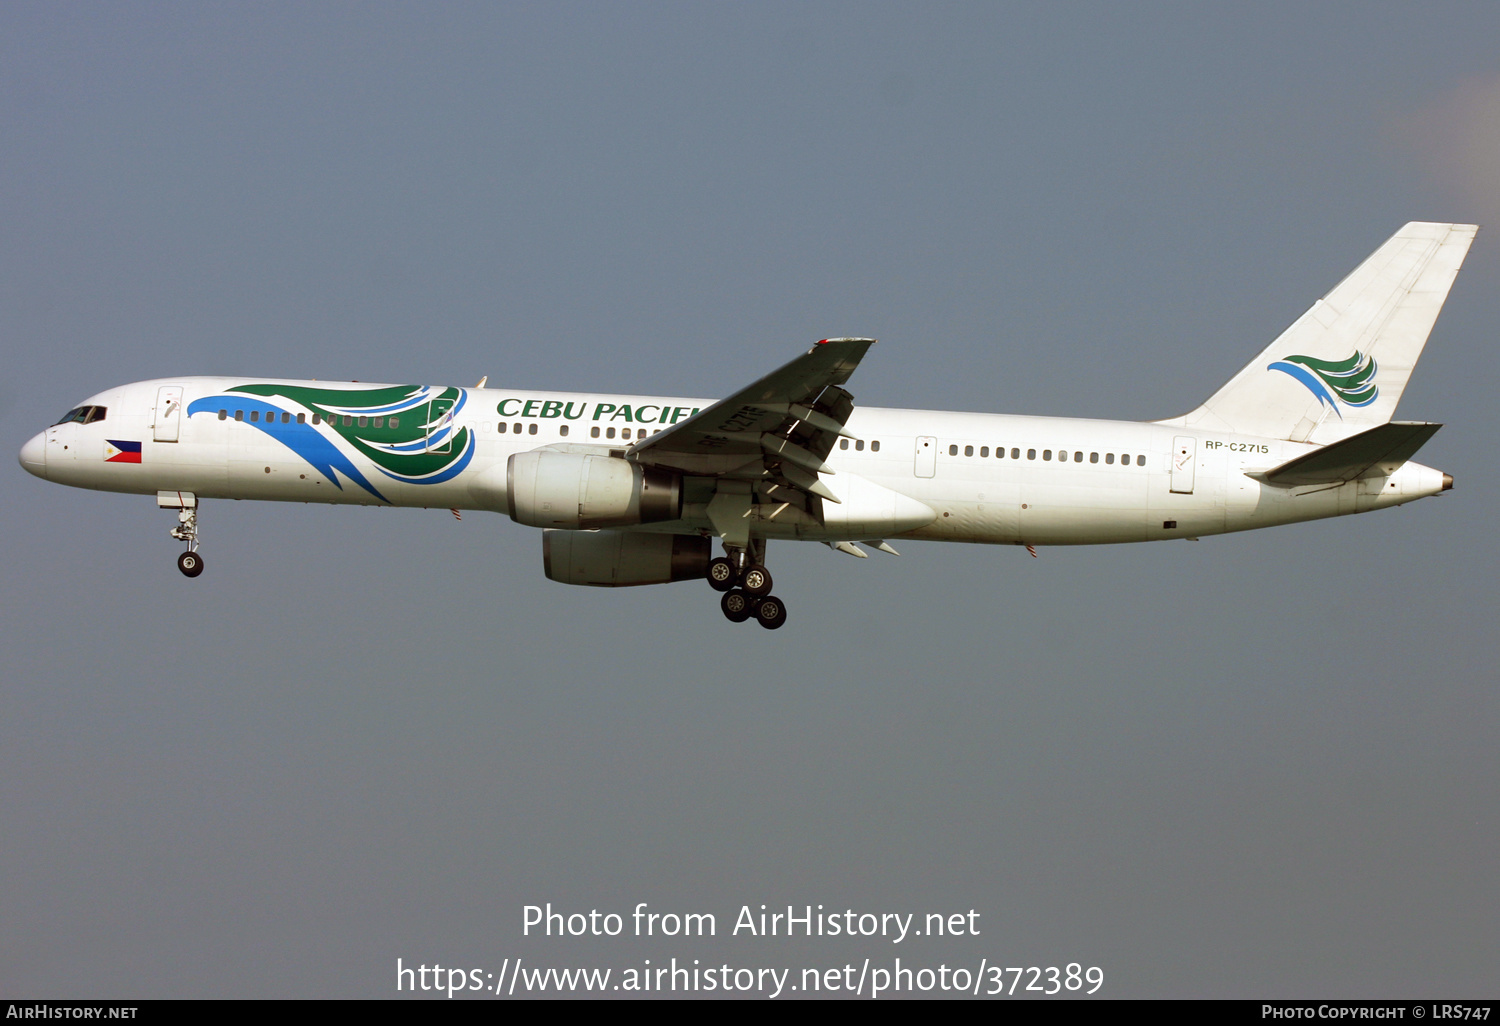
1256 765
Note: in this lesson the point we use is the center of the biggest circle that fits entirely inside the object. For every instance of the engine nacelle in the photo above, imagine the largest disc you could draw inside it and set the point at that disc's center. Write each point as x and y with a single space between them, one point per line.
582 491
619 559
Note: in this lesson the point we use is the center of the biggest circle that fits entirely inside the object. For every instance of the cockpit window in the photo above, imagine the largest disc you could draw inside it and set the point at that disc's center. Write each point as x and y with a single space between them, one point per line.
83 415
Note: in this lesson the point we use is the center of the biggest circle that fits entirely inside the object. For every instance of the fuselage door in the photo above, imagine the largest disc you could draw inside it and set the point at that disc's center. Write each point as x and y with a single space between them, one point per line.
1184 455
926 456
440 425
166 419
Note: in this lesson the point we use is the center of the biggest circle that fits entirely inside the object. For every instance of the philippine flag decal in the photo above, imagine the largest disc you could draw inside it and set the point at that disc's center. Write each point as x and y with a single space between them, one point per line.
116 451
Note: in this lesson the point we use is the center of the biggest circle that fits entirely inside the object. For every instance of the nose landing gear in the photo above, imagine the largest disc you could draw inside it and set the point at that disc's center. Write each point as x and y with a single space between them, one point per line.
186 504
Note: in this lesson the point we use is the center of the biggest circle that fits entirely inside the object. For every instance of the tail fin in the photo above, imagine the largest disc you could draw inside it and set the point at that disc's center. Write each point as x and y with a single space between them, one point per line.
1341 368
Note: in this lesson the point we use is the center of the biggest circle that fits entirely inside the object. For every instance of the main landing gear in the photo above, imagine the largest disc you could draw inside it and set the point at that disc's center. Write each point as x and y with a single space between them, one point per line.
741 575
190 562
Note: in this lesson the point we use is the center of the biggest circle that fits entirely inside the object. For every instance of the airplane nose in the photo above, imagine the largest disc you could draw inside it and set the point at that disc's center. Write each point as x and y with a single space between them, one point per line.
34 455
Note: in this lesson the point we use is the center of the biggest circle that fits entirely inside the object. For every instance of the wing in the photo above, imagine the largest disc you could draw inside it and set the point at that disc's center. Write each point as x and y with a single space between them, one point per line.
773 435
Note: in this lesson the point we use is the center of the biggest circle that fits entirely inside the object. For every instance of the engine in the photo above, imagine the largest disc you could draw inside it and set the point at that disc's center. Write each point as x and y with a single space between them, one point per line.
581 491
618 559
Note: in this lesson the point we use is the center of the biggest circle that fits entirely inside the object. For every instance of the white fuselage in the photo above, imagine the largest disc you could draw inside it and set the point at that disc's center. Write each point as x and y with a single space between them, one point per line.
1120 482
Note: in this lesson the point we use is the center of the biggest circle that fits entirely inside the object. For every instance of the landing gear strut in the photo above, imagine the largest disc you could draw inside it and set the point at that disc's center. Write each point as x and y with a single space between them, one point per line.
746 583
190 562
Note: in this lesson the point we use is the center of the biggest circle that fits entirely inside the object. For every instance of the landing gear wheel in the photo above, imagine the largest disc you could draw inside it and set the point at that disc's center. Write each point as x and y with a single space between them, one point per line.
737 606
771 612
190 563
757 580
721 574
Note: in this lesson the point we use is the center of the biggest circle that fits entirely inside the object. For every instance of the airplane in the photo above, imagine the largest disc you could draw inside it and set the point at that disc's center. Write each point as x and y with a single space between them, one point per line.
634 489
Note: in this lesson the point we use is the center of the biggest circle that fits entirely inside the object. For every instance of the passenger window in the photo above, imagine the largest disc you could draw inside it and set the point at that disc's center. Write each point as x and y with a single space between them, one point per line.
317 418
1046 454
1015 454
1109 457
395 422
500 427
1031 454
301 418
609 432
968 450
1078 457
952 450
364 421
254 416
625 433
984 450
859 445
516 428
380 422
532 430
562 429
1093 457
223 414
874 446
593 432
843 443
348 420
1124 459
1140 461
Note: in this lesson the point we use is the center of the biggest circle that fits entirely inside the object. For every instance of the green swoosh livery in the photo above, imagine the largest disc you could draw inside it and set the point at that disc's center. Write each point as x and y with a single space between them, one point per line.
1351 381
415 441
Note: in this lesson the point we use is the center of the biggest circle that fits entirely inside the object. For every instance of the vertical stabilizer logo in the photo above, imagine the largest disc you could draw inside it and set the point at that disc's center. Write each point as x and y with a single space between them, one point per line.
1351 381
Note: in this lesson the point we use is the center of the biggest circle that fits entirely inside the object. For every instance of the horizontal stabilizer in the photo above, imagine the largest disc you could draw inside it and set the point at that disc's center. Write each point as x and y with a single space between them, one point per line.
1378 451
